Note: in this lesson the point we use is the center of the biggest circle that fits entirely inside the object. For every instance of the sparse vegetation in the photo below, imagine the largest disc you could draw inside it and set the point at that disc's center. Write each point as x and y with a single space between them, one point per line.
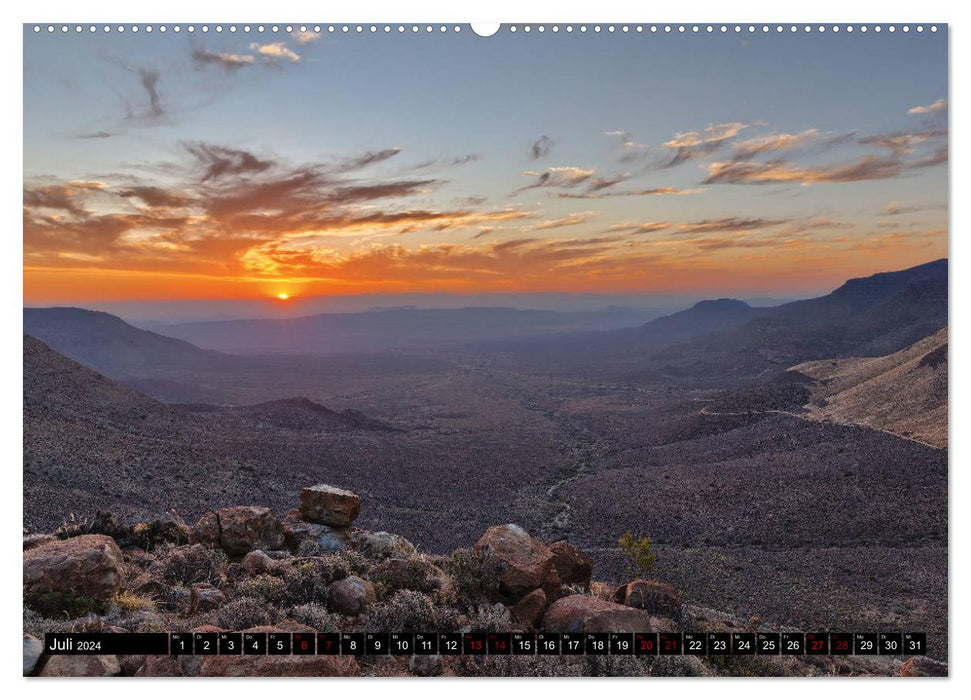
638 554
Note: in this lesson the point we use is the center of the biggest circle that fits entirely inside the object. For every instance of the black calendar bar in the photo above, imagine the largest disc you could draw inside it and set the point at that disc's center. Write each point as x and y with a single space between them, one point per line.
491 644
99 643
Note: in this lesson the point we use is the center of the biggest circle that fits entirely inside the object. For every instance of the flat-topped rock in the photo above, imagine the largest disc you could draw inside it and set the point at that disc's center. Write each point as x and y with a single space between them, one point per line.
329 505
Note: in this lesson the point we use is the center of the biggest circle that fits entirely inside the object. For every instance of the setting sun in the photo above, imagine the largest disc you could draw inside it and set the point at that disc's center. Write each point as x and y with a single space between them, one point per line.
282 296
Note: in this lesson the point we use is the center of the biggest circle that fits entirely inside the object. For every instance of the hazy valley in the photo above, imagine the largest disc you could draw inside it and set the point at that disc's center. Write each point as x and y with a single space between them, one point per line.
774 455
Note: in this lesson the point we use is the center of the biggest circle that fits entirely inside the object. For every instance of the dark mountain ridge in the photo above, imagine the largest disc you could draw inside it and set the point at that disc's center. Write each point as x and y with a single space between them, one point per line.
98 339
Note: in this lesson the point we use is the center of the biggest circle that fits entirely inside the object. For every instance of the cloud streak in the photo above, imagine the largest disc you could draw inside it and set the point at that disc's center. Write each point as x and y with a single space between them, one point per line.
936 106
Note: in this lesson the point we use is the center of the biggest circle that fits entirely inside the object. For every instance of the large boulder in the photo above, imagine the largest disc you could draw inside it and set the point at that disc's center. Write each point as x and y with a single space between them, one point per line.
657 598
72 575
239 530
572 565
528 563
64 666
581 613
381 545
329 505
351 595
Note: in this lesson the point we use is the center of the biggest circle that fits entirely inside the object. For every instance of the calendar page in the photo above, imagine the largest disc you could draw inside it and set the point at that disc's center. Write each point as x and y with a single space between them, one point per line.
445 350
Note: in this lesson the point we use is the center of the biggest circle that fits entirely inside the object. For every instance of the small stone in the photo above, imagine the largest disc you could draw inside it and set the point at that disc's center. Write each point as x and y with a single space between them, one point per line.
206 599
329 505
426 666
257 562
351 595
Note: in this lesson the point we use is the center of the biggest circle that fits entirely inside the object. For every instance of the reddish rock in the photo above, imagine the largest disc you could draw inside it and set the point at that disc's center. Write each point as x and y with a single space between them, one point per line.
206 599
329 505
239 530
66 666
257 562
657 598
58 572
572 565
580 613
351 595
921 666
528 562
529 610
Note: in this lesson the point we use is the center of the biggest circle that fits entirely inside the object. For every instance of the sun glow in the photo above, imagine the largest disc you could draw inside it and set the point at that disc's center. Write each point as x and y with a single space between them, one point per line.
282 296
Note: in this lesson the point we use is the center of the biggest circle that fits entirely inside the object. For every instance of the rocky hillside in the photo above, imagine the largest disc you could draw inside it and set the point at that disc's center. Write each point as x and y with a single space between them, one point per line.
904 393
244 569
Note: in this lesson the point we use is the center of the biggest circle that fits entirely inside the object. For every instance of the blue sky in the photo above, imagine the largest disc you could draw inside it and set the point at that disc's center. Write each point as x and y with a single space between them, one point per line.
237 165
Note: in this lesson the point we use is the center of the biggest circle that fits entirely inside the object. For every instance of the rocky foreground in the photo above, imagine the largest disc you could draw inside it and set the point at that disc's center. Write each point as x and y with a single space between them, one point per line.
243 569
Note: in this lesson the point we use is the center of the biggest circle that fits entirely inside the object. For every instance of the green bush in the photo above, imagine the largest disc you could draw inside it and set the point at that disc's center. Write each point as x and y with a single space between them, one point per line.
637 552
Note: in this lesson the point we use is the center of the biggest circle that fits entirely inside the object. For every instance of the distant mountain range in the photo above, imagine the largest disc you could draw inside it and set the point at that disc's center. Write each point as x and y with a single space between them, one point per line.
109 344
715 342
395 329
865 317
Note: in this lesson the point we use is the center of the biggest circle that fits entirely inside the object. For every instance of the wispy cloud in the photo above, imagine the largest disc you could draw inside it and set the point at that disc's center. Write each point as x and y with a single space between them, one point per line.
218 161
558 176
780 172
230 62
569 220
773 143
149 79
936 106
305 37
276 51
690 145
232 209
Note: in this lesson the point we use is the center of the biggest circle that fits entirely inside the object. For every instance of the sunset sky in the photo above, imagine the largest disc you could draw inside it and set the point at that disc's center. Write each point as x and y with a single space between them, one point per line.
232 165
